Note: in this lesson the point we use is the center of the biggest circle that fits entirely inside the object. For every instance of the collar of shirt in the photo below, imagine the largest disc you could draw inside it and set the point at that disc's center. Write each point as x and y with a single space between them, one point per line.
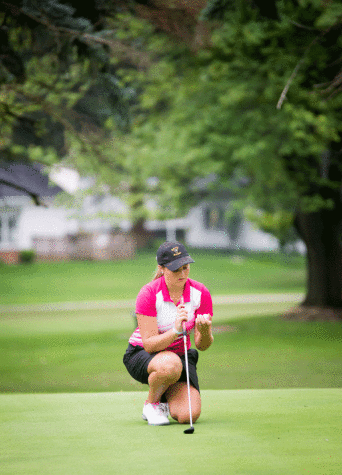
166 295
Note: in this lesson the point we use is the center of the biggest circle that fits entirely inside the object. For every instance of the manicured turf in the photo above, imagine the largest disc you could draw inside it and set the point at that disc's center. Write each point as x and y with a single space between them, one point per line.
58 370
247 432
82 351
86 281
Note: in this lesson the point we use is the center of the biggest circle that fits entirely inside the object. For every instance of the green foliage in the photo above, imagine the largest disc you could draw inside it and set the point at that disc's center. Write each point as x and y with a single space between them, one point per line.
259 106
219 113
70 101
85 81
331 16
58 13
216 9
278 222
61 71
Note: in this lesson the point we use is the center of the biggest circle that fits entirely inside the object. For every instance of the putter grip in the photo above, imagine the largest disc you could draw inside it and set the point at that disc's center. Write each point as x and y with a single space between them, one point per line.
183 323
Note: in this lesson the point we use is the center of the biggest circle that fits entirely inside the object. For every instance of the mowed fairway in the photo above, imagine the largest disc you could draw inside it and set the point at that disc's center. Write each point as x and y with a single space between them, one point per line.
77 428
249 432
81 351
271 387
119 280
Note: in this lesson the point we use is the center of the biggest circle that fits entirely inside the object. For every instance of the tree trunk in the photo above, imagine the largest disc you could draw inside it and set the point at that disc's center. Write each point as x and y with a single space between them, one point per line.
141 236
321 233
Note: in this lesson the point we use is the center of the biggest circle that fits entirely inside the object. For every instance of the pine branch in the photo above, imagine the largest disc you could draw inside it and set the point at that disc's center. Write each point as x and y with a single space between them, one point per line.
298 66
141 59
85 138
289 82
332 87
337 90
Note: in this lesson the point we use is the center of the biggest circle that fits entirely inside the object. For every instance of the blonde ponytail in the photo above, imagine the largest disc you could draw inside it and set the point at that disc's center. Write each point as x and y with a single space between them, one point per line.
158 273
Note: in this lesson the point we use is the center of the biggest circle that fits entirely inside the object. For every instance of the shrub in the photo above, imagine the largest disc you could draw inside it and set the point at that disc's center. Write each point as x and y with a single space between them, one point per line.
27 256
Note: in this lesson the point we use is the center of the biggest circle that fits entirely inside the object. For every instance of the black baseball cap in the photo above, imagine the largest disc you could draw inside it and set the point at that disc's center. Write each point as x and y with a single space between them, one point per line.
173 255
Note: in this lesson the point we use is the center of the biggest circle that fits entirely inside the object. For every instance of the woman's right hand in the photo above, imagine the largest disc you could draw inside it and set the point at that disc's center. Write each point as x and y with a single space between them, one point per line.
182 316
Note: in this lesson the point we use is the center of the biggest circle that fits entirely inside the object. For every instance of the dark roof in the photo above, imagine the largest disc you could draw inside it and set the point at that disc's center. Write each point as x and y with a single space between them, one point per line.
20 179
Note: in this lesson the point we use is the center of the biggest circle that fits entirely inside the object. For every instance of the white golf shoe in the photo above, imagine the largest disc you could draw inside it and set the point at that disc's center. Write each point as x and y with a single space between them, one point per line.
155 414
164 406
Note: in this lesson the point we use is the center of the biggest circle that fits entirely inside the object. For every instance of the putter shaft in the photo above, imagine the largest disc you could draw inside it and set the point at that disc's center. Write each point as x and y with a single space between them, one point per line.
191 430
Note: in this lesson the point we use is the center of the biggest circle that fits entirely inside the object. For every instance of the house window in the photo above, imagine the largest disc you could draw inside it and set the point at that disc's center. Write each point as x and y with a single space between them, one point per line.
12 226
8 229
214 218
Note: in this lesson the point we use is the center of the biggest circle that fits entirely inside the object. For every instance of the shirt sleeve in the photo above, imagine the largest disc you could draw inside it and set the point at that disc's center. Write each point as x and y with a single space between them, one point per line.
146 302
206 303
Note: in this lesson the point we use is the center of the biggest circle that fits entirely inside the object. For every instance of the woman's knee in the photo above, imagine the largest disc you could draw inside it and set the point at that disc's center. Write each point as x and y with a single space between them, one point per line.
166 364
183 416
177 396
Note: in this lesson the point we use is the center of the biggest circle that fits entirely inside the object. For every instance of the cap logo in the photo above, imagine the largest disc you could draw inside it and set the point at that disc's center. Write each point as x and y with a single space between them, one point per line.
175 251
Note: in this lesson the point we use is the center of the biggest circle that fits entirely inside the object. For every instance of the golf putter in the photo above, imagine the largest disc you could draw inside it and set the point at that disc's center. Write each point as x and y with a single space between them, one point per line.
191 429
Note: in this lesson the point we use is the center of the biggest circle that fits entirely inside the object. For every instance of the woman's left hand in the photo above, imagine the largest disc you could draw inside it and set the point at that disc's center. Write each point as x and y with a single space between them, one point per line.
203 323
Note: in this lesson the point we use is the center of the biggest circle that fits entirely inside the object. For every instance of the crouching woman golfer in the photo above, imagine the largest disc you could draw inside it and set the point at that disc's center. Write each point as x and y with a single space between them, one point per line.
155 354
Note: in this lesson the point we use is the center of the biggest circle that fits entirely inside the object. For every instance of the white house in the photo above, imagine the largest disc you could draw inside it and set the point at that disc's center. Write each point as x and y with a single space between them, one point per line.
21 222
204 227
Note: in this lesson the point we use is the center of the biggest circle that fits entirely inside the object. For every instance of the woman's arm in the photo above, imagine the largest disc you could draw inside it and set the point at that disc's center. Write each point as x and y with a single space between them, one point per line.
203 332
152 340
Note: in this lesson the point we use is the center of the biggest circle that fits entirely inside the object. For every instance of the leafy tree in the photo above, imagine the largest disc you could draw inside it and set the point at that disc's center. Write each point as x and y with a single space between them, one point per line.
47 64
261 105
290 59
58 79
69 79
264 102
60 95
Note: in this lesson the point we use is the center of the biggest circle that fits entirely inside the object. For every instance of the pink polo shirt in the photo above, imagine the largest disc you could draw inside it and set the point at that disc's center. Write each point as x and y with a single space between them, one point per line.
154 301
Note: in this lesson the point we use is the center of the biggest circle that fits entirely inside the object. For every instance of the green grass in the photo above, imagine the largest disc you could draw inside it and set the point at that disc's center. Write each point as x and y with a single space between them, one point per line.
81 351
86 281
270 387
247 432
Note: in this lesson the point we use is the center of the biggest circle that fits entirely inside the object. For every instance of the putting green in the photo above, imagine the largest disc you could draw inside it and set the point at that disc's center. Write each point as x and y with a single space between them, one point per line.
247 432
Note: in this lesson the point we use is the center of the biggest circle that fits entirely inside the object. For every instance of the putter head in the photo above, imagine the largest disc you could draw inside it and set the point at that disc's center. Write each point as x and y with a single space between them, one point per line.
191 430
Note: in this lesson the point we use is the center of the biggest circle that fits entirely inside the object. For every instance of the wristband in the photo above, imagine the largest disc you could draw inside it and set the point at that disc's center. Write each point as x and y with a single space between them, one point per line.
177 332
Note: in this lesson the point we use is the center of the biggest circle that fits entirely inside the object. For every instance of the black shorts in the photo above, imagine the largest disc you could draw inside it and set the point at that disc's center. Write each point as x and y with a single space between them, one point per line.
136 360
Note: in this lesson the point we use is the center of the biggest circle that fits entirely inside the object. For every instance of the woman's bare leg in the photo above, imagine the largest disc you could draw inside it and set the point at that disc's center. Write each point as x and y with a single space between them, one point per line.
177 397
164 370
